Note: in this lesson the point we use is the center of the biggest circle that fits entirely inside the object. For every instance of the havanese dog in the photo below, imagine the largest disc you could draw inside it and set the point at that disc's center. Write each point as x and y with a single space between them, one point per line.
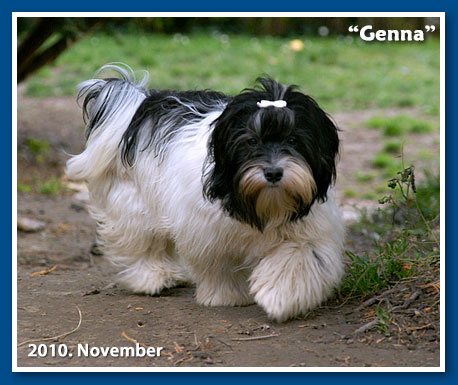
231 193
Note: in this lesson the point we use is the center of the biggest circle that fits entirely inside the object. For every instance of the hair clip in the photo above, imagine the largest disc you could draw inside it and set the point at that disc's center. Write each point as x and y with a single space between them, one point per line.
268 103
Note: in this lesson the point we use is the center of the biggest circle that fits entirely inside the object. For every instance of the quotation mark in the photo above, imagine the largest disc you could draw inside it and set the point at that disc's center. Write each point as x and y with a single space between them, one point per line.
352 28
430 28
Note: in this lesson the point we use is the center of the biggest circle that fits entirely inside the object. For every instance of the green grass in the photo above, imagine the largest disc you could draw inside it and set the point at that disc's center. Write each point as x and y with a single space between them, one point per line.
399 124
349 193
24 188
51 187
425 154
341 75
428 195
369 273
38 148
420 127
384 160
368 195
392 147
383 317
364 177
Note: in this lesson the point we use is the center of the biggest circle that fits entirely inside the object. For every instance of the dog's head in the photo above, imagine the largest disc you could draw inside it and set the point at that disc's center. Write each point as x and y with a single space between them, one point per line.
269 162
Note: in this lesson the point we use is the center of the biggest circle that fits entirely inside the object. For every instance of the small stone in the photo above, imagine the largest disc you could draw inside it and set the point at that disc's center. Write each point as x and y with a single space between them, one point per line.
29 225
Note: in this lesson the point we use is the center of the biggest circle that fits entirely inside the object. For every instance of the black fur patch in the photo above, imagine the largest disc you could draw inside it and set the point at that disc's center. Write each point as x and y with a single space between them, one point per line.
163 113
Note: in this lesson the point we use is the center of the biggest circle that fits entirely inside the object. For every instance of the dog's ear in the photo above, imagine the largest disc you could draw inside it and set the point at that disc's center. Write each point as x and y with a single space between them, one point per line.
326 151
319 140
218 173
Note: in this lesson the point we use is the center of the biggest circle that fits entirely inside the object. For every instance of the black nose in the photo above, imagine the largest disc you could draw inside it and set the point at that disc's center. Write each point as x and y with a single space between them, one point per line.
273 174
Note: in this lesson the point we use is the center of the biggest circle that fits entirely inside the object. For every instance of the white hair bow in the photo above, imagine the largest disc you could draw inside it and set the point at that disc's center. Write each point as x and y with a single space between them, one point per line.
269 103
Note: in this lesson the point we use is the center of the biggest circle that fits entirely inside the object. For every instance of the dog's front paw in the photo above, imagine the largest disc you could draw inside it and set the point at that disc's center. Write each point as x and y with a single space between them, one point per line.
278 305
292 282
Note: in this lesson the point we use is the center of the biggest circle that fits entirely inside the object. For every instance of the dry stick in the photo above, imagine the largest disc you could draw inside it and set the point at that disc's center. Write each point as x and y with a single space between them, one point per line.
411 299
56 337
255 338
43 272
366 327
370 301
424 315
123 334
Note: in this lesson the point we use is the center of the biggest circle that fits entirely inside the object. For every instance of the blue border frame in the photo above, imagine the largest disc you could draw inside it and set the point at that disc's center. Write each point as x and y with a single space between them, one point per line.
238 5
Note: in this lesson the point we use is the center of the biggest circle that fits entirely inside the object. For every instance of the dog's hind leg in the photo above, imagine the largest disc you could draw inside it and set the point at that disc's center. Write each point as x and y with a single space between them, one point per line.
221 284
153 271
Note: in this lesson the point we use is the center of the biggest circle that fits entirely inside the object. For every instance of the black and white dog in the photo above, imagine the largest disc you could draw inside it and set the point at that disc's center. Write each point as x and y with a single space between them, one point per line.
233 194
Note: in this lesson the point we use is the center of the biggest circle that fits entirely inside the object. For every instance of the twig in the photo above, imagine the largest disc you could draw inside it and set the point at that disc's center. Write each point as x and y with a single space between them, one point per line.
366 327
255 338
411 299
188 357
372 300
43 272
123 333
422 327
56 337
424 315
224 343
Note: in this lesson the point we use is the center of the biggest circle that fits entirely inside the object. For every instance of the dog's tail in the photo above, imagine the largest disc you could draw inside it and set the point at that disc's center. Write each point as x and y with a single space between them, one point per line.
108 107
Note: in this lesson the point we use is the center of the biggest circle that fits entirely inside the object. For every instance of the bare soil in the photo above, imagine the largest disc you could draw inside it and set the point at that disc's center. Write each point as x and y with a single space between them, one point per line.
58 279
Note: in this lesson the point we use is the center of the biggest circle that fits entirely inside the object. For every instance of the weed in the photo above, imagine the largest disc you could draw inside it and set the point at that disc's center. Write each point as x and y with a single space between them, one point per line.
368 274
383 319
405 243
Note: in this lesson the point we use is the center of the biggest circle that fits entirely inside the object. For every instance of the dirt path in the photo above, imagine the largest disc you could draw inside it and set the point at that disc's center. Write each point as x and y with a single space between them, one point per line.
191 335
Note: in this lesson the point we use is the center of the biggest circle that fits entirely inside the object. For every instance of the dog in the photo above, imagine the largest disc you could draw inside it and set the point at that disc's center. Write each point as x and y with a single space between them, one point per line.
234 194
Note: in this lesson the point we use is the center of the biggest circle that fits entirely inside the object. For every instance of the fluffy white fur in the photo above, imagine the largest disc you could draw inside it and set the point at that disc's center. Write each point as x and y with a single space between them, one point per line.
158 228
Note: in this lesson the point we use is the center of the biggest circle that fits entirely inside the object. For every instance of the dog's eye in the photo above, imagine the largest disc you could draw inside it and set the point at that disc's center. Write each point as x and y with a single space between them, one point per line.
252 142
291 140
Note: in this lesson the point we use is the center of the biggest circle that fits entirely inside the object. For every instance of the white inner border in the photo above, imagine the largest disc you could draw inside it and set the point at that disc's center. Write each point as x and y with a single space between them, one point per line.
15 15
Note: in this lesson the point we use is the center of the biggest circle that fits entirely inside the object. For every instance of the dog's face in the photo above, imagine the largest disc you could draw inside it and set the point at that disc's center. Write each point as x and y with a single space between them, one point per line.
270 164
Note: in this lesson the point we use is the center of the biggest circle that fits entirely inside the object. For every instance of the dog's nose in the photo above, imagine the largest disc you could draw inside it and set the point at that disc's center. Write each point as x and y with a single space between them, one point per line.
273 174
